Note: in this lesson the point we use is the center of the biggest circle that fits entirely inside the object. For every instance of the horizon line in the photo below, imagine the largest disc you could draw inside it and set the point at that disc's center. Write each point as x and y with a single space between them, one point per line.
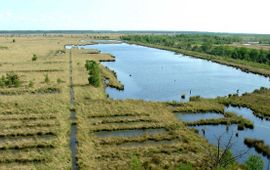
122 31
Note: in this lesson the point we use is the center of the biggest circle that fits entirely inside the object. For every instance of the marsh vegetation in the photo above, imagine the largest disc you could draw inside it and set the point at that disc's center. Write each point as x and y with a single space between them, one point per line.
111 133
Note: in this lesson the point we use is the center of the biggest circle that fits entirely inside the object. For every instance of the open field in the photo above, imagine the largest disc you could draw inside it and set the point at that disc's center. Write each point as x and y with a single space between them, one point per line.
256 46
34 116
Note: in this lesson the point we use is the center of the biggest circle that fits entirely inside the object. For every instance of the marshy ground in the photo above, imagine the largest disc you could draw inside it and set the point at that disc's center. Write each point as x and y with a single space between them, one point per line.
111 134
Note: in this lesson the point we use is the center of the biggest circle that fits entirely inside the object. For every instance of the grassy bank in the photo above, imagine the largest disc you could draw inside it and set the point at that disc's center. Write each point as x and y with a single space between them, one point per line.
259 145
258 101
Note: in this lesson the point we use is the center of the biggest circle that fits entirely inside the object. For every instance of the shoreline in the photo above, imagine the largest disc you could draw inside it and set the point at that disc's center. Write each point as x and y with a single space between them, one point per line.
245 68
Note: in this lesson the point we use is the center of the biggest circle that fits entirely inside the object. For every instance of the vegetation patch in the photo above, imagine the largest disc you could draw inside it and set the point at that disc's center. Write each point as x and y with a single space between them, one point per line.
3 48
43 90
93 73
34 58
258 101
259 145
10 80
229 118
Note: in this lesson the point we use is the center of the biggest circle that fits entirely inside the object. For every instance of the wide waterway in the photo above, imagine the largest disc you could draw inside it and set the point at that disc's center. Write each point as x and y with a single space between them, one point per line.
159 75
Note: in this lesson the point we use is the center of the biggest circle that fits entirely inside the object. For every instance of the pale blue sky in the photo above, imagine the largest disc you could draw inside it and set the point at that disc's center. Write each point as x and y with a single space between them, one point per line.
248 16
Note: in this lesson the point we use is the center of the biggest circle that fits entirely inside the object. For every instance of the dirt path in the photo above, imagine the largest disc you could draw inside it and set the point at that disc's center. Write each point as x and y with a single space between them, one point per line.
73 130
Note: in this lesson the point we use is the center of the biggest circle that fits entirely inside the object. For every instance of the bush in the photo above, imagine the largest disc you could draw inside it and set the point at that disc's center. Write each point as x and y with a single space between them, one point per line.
34 58
46 78
184 166
2 81
93 73
254 162
31 84
59 81
135 163
10 80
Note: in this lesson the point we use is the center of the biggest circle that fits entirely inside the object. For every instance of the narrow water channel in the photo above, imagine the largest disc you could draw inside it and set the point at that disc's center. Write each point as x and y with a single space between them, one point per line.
261 131
73 129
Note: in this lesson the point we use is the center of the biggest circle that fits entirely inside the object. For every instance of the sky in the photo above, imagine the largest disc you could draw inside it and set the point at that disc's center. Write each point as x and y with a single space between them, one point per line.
239 16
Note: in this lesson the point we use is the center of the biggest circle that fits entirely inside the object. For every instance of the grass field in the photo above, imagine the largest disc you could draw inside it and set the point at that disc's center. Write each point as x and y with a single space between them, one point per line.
34 116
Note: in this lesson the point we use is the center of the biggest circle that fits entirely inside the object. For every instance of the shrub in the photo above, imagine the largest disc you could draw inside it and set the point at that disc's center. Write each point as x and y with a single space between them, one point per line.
31 84
93 73
184 166
254 162
135 163
46 78
2 81
59 81
34 58
10 80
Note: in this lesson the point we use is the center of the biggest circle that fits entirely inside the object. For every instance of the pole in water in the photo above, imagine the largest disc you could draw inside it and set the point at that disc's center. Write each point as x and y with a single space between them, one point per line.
268 167
203 131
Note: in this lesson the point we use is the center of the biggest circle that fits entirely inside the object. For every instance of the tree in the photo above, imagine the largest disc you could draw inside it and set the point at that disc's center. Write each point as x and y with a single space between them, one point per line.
93 73
223 157
254 162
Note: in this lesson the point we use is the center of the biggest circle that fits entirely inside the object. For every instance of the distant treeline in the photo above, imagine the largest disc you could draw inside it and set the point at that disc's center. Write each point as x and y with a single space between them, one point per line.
214 45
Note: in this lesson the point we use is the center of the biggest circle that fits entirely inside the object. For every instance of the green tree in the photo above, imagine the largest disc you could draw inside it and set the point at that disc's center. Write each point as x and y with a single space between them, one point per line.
93 73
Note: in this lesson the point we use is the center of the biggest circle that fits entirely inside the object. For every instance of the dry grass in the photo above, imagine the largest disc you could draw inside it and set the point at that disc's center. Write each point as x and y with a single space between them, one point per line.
35 120
115 151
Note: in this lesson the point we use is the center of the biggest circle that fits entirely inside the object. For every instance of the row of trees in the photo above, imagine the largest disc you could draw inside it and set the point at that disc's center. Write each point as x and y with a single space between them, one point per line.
183 39
210 44
242 53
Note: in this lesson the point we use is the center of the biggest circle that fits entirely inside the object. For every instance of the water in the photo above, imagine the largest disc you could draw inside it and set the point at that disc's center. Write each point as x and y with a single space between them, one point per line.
129 133
261 131
159 75
192 117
